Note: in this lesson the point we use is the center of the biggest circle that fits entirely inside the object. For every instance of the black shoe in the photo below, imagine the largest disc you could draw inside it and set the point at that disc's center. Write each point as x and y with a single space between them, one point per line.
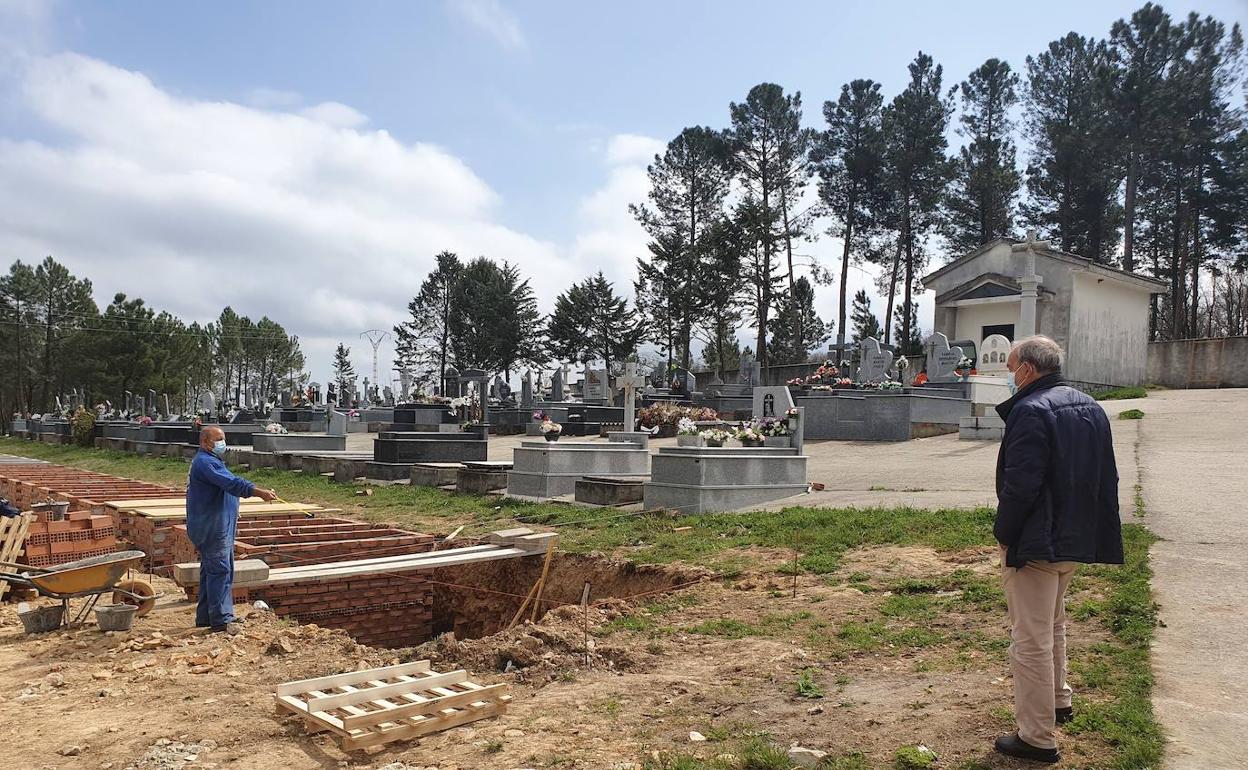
1013 746
1064 715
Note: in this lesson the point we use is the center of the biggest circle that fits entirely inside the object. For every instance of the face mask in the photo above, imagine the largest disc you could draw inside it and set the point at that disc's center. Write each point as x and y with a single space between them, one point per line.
218 448
1009 383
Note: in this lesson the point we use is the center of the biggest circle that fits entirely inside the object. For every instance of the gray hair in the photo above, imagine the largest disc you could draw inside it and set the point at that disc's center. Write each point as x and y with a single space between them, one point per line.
1041 352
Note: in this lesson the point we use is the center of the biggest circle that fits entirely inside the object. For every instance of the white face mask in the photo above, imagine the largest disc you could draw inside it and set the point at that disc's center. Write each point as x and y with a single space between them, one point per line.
218 447
1009 382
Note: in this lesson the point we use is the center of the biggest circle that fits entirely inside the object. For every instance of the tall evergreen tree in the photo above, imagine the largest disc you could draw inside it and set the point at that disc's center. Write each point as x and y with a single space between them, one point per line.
344 374
423 341
865 322
761 127
721 289
1072 176
759 271
1143 51
688 184
799 303
63 303
494 325
980 203
591 323
906 335
849 157
914 128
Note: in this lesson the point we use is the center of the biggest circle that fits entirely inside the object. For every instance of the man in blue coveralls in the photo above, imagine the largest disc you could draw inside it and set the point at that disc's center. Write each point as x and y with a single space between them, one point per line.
212 495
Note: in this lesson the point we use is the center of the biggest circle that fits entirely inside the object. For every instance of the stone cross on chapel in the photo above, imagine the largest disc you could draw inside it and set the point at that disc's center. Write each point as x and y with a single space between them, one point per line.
630 382
1029 283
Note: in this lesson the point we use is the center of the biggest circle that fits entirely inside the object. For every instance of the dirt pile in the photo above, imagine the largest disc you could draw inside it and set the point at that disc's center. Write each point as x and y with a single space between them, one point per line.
562 641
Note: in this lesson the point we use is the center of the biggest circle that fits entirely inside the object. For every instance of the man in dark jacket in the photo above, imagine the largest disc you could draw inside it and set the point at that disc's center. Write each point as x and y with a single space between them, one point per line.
1057 505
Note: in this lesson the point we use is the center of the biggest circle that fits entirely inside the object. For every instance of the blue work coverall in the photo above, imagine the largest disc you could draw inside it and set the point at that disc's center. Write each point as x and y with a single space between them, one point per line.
212 495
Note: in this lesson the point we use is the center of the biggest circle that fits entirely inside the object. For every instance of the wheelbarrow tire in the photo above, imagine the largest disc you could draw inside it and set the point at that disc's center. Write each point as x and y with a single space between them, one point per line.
135 592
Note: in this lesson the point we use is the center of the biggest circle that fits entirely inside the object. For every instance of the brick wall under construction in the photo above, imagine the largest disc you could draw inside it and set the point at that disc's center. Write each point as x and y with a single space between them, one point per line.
283 542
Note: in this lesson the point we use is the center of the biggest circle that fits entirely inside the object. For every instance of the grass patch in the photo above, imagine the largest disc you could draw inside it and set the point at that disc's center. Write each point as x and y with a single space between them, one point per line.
807 687
1131 414
1118 394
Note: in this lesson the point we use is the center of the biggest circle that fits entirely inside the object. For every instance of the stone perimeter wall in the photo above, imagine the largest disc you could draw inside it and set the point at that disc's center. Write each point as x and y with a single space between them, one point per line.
1220 362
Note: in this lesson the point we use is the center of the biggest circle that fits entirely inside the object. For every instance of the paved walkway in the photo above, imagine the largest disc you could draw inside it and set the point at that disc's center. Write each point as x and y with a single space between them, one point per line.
1194 468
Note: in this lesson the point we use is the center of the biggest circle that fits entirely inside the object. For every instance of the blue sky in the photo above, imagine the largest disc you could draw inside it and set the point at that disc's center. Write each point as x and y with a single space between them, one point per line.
519 130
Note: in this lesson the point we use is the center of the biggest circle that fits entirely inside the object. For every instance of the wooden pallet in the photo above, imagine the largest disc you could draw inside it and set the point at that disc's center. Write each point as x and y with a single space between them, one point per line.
13 531
380 705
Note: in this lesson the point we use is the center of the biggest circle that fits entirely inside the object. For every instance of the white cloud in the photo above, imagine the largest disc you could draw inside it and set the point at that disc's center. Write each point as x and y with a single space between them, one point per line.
194 205
266 98
490 17
335 114
633 149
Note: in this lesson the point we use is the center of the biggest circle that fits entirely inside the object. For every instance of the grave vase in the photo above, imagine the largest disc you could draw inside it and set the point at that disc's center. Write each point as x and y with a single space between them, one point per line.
551 435
694 441
751 442
713 442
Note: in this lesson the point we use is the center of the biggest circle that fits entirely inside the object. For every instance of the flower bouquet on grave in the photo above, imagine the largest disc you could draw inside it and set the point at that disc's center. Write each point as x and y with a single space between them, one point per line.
145 420
771 426
686 427
749 435
966 367
551 430
790 416
844 382
890 385
275 428
715 437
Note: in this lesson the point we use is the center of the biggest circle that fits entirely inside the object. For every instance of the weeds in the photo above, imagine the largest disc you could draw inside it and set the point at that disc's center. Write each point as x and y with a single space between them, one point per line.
1131 414
1119 394
807 687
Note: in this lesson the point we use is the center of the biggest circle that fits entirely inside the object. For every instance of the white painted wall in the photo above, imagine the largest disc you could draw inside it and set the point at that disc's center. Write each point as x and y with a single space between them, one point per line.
973 318
1108 341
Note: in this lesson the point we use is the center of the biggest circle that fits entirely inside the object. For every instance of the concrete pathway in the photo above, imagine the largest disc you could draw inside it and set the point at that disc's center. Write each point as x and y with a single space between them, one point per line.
1194 469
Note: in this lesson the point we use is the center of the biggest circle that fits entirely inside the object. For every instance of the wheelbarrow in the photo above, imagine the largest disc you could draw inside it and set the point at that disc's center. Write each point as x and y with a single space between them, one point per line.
92 577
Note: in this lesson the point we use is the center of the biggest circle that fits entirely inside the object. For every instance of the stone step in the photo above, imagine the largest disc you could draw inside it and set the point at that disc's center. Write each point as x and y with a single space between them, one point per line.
729 469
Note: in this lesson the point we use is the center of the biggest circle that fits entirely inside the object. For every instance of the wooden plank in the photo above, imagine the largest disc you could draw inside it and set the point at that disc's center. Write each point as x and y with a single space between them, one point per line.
13 532
423 727
351 677
160 502
428 560
179 512
381 560
427 706
340 700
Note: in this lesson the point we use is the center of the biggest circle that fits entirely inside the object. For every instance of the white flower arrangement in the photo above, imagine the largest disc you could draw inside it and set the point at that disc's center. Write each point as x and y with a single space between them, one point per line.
902 364
686 427
276 428
890 385
715 435
966 363
551 427
749 433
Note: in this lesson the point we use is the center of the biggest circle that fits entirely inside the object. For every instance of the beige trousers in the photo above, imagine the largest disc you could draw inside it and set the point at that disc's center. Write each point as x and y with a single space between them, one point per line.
1036 595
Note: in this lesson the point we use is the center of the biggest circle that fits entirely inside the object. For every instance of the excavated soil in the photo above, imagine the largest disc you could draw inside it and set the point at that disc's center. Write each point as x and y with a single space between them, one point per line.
607 687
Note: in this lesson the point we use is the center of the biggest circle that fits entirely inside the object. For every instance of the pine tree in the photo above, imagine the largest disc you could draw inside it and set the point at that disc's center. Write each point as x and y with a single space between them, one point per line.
979 206
344 374
688 184
423 341
906 336
797 310
1072 176
61 303
914 128
591 323
759 271
1143 51
761 127
849 158
863 318
721 292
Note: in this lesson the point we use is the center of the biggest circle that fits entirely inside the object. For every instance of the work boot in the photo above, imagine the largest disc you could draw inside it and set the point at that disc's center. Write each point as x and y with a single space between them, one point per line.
1064 715
229 629
1013 746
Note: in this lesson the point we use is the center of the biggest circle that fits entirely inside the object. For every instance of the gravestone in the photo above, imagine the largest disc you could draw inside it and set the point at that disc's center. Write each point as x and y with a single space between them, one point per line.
556 386
168 411
337 423
207 404
496 392
942 359
526 390
596 386
875 361
630 382
476 379
993 353
331 394
684 382
405 385
747 375
450 383
775 402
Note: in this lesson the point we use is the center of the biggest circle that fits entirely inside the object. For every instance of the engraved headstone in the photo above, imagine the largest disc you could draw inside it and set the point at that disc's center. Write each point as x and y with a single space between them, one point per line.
405 385
337 423
875 361
993 353
595 386
556 386
942 359
526 390
168 411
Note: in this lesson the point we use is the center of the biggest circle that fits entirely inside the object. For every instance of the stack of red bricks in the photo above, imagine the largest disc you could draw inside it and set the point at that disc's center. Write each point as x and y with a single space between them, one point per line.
380 610
80 535
285 542
26 484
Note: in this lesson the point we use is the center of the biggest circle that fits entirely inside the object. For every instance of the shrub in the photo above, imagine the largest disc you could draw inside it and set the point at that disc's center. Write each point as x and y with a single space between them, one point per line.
1118 394
83 426
1130 414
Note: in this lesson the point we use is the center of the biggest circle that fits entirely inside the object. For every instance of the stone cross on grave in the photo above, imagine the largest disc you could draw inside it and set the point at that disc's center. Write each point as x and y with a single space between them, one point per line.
1029 284
630 382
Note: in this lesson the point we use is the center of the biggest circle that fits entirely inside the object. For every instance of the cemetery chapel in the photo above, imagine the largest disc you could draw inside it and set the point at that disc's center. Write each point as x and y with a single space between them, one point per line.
1098 314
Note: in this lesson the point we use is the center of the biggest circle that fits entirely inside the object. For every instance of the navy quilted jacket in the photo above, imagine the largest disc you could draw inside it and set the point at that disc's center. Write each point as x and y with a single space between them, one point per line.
1057 482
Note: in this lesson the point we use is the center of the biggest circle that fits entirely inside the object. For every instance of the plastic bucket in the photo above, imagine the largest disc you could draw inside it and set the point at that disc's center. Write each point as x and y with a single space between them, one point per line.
42 619
115 617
